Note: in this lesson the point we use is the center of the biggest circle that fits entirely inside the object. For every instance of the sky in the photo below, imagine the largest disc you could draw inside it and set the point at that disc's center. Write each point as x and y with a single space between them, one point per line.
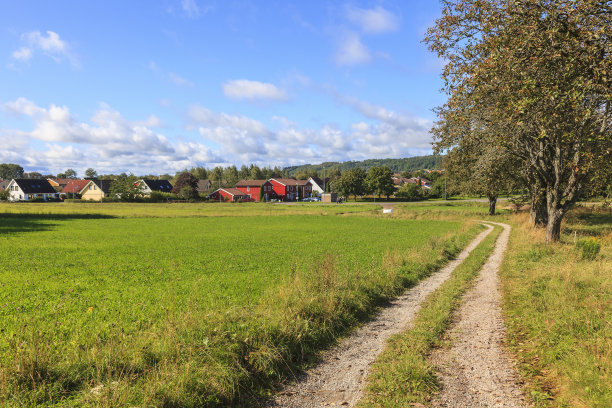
157 86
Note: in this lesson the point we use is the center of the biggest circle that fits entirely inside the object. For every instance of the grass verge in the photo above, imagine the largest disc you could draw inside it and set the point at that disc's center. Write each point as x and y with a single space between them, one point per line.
558 308
402 375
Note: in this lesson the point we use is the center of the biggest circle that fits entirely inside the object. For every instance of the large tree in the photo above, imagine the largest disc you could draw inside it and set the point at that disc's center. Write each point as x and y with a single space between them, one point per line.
539 71
379 181
10 171
186 184
352 182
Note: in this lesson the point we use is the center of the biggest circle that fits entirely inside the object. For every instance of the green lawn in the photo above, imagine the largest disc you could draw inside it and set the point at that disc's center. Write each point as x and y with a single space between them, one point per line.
138 304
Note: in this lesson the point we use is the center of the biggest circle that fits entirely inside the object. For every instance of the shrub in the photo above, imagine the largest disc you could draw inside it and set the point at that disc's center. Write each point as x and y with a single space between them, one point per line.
589 246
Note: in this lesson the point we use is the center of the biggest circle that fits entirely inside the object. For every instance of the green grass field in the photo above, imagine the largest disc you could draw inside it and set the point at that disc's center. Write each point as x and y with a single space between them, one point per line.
187 305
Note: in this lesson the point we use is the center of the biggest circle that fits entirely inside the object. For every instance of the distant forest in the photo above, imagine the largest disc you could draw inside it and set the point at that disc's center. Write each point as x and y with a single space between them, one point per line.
396 165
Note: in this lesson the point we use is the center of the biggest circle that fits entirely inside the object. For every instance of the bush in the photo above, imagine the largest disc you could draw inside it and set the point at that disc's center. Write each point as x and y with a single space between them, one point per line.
187 193
4 195
589 246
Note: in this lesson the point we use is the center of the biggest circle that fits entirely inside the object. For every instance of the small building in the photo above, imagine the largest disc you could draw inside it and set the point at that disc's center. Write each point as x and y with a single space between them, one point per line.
254 188
28 189
204 186
291 189
329 197
73 188
96 190
228 194
150 185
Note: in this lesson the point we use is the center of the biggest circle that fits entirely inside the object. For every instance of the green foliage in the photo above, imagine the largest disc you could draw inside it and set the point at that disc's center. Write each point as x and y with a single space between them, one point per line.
410 192
396 165
186 186
5 195
187 193
9 171
352 182
589 247
379 181
125 189
112 318
91 173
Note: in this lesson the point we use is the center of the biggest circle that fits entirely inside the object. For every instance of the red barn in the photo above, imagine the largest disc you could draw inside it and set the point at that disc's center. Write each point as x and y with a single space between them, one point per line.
291 189
228 194
253 188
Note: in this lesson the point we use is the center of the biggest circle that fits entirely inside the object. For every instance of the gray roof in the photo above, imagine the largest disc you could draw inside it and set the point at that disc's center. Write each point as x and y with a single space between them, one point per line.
35 186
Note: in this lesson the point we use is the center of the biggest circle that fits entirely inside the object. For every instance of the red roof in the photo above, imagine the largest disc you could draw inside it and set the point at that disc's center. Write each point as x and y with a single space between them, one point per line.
75 186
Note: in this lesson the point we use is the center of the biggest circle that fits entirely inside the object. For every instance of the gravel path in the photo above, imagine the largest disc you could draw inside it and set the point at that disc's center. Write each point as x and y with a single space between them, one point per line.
338 379
477 371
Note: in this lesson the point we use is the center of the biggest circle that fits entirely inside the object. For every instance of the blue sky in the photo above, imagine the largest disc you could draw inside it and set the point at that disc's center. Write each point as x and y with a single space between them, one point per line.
159 86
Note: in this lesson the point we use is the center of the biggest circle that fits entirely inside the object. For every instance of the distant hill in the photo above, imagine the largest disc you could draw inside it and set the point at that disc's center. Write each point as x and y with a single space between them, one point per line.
396 165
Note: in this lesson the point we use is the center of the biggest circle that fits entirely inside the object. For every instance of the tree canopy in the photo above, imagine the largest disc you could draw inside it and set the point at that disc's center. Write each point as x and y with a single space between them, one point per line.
532 77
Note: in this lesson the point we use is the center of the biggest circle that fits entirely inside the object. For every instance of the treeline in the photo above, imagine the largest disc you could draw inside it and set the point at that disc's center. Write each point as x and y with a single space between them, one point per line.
395 165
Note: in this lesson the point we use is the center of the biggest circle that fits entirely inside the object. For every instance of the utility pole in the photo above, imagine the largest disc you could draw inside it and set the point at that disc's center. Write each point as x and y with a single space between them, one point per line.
445 186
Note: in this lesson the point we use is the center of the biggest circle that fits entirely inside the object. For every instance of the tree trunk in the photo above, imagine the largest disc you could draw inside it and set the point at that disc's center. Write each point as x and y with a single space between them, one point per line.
538 215
553 227
492 201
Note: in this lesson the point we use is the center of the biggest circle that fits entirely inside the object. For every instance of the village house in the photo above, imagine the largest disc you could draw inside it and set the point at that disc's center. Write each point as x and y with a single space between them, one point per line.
73 188
398 180
291 189
420 181
228 194
96 190
318 185
254 188
28 189
204 186
149 185
58 183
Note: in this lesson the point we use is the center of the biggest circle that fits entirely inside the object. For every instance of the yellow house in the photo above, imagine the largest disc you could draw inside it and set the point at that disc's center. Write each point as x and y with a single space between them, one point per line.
95 190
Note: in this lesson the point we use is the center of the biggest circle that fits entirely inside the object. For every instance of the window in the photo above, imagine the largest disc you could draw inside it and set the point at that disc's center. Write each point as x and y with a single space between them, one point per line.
248 189
90 186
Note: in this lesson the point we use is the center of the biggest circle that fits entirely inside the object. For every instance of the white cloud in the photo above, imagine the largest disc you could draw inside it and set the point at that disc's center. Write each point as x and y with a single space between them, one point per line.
50 45
180 81
351 51
373 21
22 54
110 142
190 7
243 89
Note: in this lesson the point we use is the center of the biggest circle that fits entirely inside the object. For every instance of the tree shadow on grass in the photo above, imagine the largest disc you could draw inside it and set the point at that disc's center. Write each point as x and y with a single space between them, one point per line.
27 222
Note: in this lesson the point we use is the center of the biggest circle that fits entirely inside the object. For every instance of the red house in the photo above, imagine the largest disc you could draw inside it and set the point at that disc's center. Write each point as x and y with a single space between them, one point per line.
253 189
291 189
228 194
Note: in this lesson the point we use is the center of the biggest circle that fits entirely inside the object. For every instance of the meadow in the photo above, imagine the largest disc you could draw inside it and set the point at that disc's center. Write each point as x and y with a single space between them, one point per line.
190 304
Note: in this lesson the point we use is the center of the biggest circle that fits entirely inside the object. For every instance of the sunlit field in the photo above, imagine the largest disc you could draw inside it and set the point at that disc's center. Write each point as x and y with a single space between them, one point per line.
189 304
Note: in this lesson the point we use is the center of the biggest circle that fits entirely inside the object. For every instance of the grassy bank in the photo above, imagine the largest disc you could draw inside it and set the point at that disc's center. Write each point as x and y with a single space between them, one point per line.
111 310
559 311
402 375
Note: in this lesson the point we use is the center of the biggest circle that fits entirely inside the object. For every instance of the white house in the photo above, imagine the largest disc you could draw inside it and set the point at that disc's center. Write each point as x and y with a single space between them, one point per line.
318 185
148 186
28 189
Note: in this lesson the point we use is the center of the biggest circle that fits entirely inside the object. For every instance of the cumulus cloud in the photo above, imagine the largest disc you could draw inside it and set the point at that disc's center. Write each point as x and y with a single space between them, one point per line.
107 141
373 21
243 89
110 142
49 44
351 51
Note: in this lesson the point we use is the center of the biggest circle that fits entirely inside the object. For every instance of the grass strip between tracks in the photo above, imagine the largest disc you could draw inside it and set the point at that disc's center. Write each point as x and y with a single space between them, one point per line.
402 375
